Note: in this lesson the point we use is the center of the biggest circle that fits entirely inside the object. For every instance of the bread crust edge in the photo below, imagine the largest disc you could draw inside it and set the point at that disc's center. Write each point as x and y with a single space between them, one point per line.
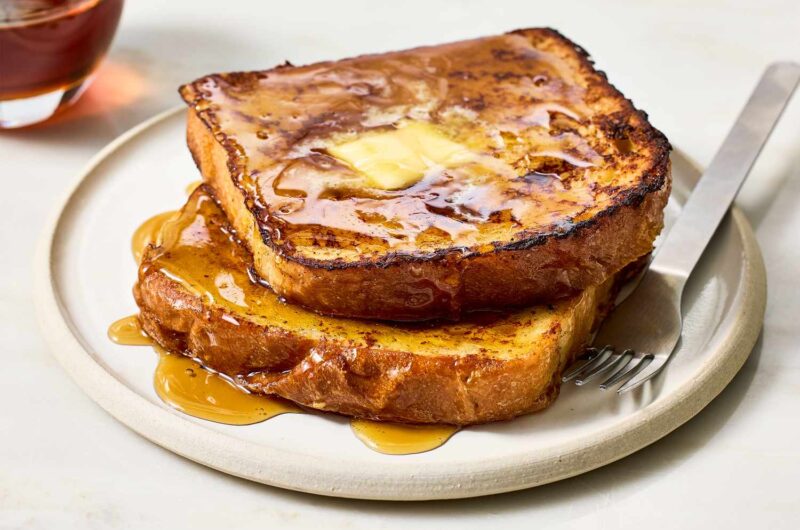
335 375
447 283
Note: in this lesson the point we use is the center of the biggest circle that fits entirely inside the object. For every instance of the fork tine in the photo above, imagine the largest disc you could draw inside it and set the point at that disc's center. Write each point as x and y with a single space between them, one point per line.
593 361
620 373
592 354
653 367
629 374
614 364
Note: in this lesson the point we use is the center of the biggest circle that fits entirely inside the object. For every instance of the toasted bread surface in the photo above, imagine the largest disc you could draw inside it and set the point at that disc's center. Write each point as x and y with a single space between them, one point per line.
197 298
566 186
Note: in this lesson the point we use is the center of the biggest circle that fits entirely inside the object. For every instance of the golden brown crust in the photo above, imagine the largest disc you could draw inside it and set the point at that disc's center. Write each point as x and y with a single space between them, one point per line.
425 373
333 375
532 267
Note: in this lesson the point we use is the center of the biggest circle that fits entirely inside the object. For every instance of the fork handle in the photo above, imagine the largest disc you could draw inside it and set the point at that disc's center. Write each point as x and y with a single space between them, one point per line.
714 193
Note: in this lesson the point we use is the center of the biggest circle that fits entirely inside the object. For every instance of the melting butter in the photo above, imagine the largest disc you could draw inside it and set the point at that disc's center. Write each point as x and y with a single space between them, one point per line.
400 439
398 158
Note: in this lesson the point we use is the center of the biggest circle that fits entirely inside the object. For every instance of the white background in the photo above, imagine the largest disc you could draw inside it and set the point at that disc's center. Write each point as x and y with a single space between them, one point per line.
64 463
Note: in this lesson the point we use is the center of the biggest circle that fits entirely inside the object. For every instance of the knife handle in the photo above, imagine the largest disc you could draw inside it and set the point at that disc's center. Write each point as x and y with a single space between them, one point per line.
716 190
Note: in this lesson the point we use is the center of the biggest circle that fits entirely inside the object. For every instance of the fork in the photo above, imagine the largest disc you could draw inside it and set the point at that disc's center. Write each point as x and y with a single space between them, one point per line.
649 322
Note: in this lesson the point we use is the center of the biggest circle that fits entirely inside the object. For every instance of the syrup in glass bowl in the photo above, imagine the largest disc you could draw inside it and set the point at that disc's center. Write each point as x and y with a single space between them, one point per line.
48 50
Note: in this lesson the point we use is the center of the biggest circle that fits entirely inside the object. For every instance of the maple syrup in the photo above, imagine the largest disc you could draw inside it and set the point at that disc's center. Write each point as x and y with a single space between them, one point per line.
400 439
321 139
52 44
192 389
127 331
198 251
191 252
187 386
193 186
148 233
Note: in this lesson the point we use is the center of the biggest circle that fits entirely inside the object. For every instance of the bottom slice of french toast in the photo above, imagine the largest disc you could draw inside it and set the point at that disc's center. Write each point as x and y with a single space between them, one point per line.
198 297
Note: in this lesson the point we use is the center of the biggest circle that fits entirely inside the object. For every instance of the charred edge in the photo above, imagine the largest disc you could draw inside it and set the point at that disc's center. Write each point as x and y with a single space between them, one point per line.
653 179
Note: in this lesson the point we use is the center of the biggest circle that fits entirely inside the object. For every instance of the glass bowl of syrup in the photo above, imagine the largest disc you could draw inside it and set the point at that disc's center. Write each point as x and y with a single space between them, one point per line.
48 51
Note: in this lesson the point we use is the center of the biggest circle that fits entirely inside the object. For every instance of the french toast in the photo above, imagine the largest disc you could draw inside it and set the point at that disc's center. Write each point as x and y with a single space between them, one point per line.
196 298
489 173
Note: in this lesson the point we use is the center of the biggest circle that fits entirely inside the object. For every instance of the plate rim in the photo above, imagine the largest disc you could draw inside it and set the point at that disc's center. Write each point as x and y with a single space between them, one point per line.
393 480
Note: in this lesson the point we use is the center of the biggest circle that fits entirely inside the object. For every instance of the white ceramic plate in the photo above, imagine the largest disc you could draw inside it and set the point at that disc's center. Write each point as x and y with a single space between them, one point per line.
85 273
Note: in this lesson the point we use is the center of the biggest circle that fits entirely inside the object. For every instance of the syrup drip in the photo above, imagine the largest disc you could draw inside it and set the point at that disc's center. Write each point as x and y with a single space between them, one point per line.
148 233
399 439
186 386
193 186
128 331
199 252
514 106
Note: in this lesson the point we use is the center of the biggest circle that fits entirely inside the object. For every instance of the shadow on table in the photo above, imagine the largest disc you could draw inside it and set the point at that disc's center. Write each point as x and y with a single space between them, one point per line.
659 458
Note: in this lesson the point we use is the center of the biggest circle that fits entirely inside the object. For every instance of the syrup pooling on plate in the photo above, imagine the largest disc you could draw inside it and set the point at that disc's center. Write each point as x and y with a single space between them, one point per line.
185 385
188 387
535 160
179 381
197 249
400 439
127 331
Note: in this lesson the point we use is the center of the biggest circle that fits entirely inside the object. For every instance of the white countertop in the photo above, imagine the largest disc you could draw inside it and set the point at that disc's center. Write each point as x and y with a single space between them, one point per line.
65 463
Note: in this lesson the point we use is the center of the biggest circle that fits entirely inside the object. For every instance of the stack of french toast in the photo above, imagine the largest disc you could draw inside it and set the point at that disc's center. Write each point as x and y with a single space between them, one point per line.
424 236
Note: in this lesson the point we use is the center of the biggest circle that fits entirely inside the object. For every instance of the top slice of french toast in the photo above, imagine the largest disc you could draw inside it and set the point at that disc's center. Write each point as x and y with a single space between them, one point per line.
420 184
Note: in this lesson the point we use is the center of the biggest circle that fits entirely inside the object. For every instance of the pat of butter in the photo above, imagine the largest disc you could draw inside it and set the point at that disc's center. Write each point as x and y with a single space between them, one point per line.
396 159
